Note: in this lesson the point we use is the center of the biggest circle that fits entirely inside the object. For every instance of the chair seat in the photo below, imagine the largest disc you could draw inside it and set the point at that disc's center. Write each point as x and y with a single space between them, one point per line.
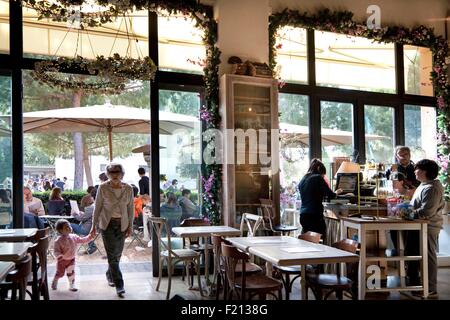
329 281
200 247
296 269
259 282
182 253
249 268
282 228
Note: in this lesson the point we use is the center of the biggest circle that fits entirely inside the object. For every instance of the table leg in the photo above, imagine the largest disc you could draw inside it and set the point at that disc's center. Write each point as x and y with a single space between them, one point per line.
362 263
303 282
269 269
424 253
206 260
401 250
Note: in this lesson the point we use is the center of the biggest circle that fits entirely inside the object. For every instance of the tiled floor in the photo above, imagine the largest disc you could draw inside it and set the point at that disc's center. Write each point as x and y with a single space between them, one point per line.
140 284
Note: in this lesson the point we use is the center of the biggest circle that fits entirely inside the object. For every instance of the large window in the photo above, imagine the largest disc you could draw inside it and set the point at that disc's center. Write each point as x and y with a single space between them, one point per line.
354 63
418 63
127 36
379 133
4 26
420 131
294 139
336 131
180 45
292 54
5 153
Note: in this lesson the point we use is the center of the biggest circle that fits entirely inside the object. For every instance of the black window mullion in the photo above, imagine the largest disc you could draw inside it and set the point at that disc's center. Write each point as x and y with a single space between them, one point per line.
311 57
315 143
359 139
154 130
399 122
16 53
399 70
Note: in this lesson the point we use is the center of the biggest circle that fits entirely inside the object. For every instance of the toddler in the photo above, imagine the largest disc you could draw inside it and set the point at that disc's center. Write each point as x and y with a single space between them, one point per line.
65 249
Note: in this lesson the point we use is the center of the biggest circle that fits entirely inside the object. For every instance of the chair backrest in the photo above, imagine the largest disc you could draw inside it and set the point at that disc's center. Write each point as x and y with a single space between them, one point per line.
268 213
193 222
217 241
310 236
42 250
252 222
231 257
161 227
349 246
23 270
41 233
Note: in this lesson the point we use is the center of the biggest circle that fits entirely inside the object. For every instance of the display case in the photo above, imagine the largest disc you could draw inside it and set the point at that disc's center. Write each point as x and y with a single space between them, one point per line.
249 109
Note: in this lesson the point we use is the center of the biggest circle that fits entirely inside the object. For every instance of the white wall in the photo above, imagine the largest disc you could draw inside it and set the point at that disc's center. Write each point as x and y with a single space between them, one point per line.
242 30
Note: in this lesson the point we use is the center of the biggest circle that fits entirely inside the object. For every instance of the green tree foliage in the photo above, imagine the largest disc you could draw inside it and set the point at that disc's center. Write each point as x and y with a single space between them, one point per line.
187 103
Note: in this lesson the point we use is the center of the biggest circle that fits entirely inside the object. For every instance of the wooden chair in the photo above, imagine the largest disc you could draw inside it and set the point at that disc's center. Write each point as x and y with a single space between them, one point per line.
39 282
194 243
219 266
172 256
268 213
17 280
334 282
295 270
242 284
252 222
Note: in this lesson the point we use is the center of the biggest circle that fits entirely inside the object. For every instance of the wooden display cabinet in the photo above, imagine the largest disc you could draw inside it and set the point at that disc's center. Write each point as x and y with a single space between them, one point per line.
251 165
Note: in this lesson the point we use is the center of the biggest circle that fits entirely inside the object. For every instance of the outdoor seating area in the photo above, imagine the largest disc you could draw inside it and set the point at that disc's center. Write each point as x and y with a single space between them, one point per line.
266 151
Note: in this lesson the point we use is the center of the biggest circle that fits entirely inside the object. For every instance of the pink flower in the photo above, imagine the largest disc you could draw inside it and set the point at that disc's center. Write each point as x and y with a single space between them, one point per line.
441 102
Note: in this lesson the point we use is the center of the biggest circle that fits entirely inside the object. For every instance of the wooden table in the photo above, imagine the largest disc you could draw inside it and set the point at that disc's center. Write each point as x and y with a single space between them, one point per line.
15 235
205 232
5 268
13 251
292 252
363 226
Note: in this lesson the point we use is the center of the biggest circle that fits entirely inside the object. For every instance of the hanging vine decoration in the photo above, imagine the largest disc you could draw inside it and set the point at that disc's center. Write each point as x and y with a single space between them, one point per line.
341 22
63 10
111 74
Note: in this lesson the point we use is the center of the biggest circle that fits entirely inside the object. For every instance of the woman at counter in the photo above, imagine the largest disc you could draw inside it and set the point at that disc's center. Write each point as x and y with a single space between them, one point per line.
313 189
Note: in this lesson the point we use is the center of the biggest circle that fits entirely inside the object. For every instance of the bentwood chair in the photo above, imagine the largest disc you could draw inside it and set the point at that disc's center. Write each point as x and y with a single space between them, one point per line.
329 283
246 286
252 223
296 270
269 217
172 256
17 280
219 266
38 282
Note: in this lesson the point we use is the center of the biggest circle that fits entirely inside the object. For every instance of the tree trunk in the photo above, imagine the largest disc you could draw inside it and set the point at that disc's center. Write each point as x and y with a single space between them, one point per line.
87 165
78 146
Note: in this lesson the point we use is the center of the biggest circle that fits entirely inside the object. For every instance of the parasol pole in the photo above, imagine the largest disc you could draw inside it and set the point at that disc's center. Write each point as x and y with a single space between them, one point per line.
109 128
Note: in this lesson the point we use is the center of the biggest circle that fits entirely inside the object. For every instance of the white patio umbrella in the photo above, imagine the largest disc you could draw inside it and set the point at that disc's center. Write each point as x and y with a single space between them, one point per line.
103 118
300 134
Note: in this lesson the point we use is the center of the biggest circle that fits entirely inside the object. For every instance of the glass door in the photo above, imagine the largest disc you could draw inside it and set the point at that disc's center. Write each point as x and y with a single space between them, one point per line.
6 182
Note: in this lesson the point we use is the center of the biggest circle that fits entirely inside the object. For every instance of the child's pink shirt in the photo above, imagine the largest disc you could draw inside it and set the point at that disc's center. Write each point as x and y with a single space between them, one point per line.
66 245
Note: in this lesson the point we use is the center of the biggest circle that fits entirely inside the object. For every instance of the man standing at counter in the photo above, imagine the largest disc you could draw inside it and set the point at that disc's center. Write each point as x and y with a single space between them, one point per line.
405 168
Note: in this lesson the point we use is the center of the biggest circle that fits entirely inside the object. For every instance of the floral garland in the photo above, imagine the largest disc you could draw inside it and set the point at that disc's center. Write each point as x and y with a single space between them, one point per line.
114 72
64 9
341 22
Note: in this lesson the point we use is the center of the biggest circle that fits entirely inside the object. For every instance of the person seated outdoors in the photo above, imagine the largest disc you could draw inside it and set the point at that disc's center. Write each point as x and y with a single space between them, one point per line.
139 203
85 223
189 209
171 210
56 203
32 204
5 209
88 199
173 187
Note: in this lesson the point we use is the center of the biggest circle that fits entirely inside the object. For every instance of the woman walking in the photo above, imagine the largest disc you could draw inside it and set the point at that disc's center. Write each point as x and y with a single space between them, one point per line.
113 215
